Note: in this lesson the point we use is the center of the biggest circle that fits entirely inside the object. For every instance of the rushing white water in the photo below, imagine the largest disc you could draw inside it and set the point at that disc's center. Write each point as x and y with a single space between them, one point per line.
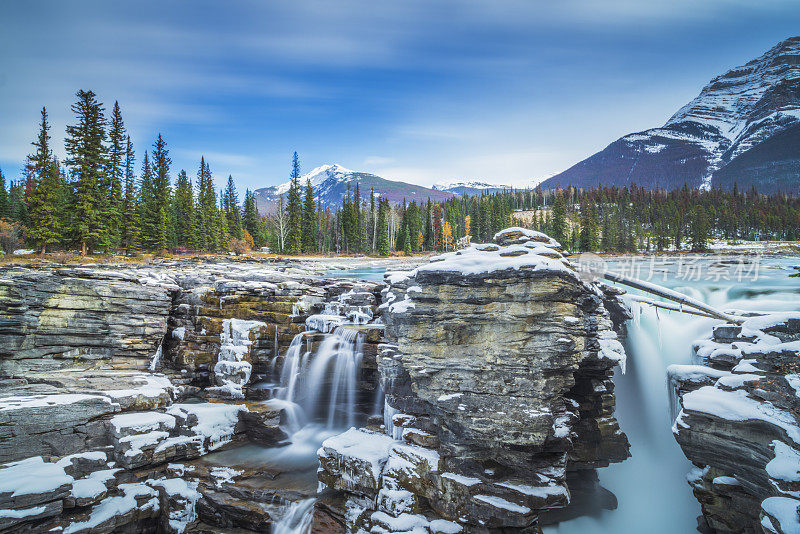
297 519
324 383
651 486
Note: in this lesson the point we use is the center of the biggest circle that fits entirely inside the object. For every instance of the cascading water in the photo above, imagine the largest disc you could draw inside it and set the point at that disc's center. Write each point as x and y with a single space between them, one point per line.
332 369
296 519
651 486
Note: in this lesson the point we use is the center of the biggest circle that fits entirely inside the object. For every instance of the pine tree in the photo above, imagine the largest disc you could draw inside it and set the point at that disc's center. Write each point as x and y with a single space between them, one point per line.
4 211
146 212
114 176
130 217
309 238
294 210
587 241
250 218
86 158
383 227
230 202
184 211
559 222
159 225
44 202
699 230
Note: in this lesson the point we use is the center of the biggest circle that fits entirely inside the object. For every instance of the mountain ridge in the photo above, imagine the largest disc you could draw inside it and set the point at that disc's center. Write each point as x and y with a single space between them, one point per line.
332 183
733 114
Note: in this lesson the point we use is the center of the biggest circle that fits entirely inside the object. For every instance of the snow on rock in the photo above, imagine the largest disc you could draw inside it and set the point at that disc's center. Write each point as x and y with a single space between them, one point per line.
232 371
499 502
781 512
137 501
214 422
461 479
32 476
354 459
179 500
738 406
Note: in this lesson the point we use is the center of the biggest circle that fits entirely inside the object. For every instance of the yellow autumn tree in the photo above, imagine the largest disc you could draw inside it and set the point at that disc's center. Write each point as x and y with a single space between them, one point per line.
447 235
467 225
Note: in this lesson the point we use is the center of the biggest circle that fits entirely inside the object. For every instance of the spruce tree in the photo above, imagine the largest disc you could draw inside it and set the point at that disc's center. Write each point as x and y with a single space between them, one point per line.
114 177
250 218
44 201
86 158
230 203
4 211
161 194
587 242
559 222
146 213
383 227
129 234
309 224
184 211
294 210
406 242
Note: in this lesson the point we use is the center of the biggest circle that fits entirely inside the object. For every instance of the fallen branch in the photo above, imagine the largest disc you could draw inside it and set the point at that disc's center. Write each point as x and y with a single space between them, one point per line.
674 296
669 306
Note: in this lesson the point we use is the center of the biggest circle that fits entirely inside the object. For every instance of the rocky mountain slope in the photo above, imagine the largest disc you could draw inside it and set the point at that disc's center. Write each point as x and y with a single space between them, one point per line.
742 127
332 182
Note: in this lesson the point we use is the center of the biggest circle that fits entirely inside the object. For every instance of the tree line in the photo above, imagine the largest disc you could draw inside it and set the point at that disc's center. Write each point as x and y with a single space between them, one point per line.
95 201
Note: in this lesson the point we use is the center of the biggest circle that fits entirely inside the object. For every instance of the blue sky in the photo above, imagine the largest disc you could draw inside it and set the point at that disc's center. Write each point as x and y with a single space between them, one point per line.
421 91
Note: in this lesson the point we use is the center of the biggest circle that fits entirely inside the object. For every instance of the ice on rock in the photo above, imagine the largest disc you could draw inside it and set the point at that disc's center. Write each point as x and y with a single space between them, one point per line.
461 479
232 371
136 496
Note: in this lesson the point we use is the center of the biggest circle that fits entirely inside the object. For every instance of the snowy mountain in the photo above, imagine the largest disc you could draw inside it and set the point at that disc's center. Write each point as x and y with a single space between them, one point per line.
742 127
332 183
468 189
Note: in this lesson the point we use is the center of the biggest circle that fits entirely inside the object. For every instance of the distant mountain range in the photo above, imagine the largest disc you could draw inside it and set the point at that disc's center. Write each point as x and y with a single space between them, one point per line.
468 189
743 128
331 183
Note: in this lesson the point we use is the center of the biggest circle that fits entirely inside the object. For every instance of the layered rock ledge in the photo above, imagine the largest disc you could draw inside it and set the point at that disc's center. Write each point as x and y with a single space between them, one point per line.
499 401
118 381
739 423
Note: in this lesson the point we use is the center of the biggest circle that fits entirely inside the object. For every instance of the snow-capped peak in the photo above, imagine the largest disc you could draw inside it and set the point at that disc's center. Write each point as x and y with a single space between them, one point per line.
446 186
318 175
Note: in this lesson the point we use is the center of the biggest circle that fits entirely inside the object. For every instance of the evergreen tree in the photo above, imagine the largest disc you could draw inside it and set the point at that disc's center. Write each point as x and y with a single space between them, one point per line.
130 217
44 203
587 240
86 158
699 230
559 222
309 238
294 210
250 218
406 242
148 221
184 211
383 227
160 199
230 202
112 181
18 208
4 207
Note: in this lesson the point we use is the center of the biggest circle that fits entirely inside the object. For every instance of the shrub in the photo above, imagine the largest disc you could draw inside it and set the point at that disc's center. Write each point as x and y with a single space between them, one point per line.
238 246
248 239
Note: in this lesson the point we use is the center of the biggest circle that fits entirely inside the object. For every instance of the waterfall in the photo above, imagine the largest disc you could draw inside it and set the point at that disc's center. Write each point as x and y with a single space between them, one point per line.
325 381
297 519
